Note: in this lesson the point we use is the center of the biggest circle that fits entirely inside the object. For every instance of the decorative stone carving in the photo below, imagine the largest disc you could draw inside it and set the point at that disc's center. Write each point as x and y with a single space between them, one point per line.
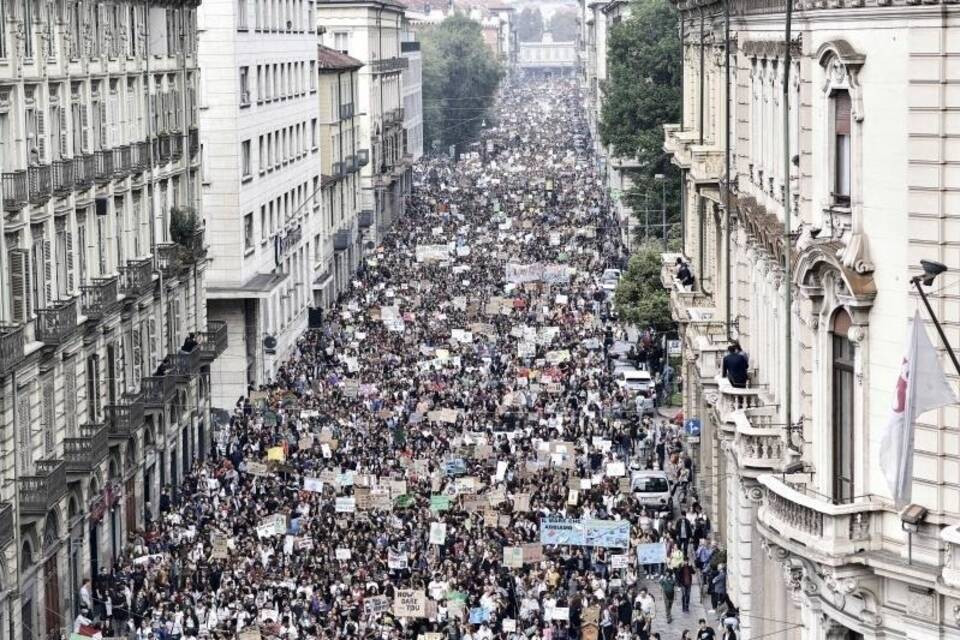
920 605
856 334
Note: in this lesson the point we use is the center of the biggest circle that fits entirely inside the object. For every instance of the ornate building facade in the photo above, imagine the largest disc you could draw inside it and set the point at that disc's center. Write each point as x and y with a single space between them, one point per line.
789 465
102 270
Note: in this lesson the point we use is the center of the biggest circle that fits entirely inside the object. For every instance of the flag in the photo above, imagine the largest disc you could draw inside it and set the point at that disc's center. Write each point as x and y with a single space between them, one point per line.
921 387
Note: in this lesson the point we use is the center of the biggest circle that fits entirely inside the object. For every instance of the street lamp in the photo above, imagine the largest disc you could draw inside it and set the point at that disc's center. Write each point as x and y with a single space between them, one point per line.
931 270
662 179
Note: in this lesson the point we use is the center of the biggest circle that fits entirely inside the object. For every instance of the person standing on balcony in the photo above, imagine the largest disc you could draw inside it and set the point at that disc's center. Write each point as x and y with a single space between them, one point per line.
735 367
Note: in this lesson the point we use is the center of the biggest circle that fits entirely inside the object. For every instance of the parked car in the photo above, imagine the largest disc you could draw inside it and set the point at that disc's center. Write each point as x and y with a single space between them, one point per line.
650 487
610 279
635 380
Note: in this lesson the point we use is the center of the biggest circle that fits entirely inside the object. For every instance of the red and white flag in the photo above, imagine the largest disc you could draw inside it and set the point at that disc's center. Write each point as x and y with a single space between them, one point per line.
921 387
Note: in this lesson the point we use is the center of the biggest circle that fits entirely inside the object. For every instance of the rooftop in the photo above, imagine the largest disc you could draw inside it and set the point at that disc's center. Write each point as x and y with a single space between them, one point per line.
332 60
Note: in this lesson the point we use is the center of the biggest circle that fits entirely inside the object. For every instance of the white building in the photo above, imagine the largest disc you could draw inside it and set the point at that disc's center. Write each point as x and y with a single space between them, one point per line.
547 57
261 184
102 270
411 79
790 471
371 31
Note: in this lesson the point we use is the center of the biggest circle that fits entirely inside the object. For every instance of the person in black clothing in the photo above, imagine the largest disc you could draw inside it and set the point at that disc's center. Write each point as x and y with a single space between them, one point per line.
735 366
705 632
683 273
189 344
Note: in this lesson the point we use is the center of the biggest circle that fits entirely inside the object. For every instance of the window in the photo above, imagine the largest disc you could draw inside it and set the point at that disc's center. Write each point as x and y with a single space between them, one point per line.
259 84
841 148
341 41
313 76
3 30
248 232
313 133
842 400
242 15
263 154
245 155
28 28
263 223
244 86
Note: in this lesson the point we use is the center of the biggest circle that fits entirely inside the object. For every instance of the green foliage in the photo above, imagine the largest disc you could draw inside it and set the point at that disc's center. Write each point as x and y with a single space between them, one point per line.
563 26
641 94
183 225
530 24
640 299
460 78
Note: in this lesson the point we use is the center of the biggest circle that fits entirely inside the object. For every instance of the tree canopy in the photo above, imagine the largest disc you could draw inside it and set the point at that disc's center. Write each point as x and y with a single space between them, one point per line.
460 78
640 298
529 24
563 26
641 94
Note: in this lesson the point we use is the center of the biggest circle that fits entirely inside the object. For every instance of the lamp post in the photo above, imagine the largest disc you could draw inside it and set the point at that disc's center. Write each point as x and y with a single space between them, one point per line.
931 270
663 206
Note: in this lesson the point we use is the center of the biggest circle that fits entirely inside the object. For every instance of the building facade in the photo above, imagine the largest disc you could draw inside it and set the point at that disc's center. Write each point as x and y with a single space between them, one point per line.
411 79
547 57
339 242
789 465
104 398
371 32
261 184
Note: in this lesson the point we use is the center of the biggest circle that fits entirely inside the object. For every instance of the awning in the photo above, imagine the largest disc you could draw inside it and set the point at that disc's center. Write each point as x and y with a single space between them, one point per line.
259 286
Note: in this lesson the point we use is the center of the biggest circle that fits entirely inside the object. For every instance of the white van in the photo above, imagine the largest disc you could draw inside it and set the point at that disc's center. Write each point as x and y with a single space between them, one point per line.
650 487
635 380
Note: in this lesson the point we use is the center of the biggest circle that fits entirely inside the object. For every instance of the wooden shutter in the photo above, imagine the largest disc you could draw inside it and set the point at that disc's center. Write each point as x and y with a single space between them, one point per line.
41 135
104 125
70 396
841 105
48 270
114 119
71 278
62 112
24 443
84 128
48 415
20 284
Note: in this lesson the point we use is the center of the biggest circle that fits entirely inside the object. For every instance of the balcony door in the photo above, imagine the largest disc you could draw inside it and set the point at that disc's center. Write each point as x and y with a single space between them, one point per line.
842 405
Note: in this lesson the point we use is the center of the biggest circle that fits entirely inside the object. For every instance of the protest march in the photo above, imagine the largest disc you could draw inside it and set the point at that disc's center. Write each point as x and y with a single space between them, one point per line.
450 455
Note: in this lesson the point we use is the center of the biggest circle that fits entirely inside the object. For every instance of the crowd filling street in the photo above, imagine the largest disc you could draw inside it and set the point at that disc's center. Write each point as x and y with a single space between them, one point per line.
471 447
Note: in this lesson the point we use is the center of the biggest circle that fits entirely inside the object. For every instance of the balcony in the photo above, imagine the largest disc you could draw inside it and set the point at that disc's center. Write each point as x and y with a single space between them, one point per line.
338 169
198 244
213 341
158 390
125 418
6 524
42 491
389 65
14 190
677 143
139 156
351 164
11 347
103 160
162 149
365 219
136 277
706 164
346 111
57 322
168 262
84 453
98 298
185 364
39 184
363 157
176 147
61 172
122 162
760 442
84 170
341 241
732 399
194 142
795 517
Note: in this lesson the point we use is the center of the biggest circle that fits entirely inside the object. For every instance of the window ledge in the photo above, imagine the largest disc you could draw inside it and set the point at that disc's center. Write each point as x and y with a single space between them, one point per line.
246 178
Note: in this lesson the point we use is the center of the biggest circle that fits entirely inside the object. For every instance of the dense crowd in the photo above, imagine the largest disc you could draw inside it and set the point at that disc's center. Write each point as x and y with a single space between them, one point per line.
393 480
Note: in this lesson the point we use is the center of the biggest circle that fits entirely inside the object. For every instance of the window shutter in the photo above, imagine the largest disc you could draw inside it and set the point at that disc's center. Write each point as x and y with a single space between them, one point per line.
41 135
70 397
114 119
137 356
71 279
20 284
25 441
47 270
104 124
47 419
63 131
841 105
84 128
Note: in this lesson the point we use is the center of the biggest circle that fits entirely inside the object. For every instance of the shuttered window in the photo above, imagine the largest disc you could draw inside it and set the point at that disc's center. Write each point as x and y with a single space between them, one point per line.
48 415
24 443
841 151
70 397
20 297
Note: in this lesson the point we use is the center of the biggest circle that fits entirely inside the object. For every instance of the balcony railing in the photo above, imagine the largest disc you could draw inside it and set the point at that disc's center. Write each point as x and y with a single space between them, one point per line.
38 178
185 364
213 341
351 164
388 65
14 190
98 298
168 258
363 157
731 399
791 514
139 156
124 418
84 453
162 151
176 147
104 165
122 162
365 219
6 524
11 347
759 441
198 244
346 111
341 240
84 170
158 390
61 172
136 277
40 492
57 322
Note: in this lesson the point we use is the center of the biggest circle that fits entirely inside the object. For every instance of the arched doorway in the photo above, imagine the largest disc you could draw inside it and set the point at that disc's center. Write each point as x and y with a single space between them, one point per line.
75 522
842 406
28 622
114 481
51 576
130 488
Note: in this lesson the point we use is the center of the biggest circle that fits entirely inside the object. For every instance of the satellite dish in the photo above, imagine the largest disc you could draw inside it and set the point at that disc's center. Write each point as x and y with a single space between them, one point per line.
270 344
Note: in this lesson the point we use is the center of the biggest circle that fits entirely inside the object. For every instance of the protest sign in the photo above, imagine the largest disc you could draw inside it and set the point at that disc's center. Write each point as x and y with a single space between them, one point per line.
220 548
314 485
345 504
438 532
513 557
585 533
532 553
618 561
651 553
342 554
410 603
376 605
397 559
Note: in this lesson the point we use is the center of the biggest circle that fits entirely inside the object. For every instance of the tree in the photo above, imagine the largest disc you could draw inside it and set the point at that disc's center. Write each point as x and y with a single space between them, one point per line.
530 25
640 298
460 78
641 94
563 26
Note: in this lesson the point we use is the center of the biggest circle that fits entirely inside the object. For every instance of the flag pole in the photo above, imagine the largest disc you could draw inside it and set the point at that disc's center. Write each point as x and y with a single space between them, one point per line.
916 280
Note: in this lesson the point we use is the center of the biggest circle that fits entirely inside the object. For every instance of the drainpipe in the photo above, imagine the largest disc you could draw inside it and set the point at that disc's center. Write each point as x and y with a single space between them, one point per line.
787 229
726 162
702 39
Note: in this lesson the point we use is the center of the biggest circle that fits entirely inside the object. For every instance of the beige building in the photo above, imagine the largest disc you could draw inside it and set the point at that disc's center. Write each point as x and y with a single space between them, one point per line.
102 267
789 465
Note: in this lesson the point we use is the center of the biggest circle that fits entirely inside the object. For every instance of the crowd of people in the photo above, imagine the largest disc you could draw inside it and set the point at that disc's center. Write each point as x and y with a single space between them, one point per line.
404 471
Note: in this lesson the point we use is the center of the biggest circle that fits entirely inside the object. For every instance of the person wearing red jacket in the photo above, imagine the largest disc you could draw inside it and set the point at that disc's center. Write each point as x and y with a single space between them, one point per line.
685 582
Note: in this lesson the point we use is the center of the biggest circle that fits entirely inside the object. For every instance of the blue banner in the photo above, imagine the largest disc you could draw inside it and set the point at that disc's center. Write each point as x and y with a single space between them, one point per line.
612 534
651 553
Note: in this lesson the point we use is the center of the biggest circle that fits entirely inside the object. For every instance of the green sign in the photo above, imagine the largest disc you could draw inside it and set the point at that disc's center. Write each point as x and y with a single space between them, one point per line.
439 503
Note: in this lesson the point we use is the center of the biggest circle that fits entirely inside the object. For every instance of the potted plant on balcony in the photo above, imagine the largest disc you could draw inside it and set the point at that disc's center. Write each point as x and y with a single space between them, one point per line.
184 231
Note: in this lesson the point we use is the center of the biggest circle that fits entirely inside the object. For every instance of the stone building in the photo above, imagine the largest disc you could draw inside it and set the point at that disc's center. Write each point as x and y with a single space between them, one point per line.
102 270
789 464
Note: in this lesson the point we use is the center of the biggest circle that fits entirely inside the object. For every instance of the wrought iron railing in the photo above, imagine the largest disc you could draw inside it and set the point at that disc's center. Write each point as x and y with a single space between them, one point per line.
213 341
11 347
158 390
14 190
41 491
62 176
56 322
38 179
6 524
83 453
98 298
84 170
104 165
125 417
136 277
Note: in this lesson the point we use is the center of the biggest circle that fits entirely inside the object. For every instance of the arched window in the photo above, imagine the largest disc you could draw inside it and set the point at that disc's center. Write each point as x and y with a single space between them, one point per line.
842 403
